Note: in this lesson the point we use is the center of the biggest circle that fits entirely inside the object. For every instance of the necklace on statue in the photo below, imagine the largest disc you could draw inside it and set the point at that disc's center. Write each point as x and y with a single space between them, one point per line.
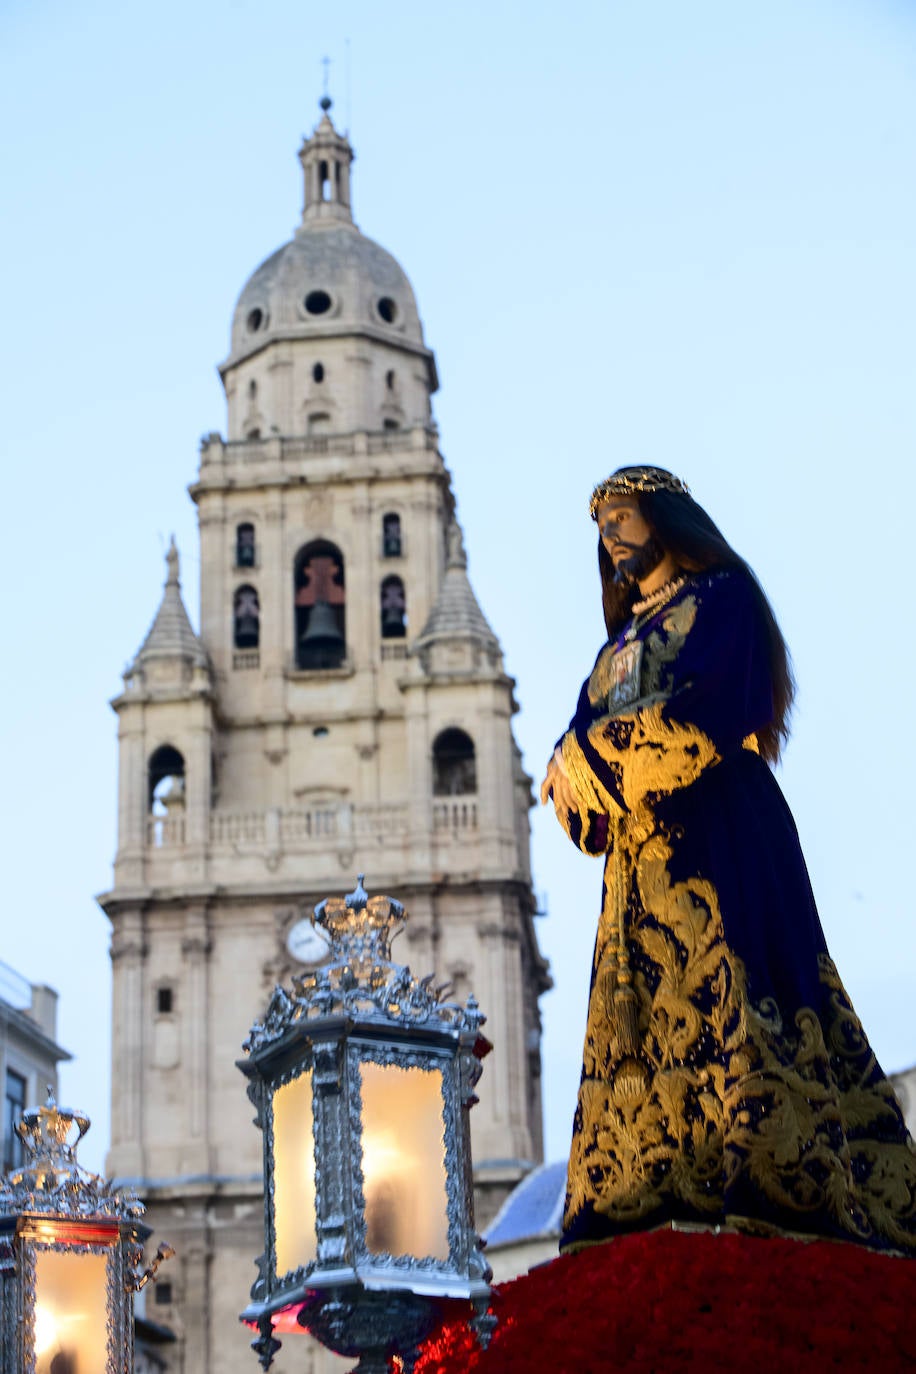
643 610
626 663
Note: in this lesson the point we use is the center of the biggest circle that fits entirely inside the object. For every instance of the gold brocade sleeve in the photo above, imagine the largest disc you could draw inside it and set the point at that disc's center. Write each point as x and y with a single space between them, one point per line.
643 754
590 794
587 825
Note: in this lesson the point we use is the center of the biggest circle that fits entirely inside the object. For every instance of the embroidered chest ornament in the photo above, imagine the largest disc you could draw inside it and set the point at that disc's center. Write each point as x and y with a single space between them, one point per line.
626 676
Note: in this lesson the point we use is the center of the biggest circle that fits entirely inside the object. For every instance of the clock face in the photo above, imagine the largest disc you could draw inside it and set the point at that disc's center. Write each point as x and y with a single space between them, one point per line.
307 943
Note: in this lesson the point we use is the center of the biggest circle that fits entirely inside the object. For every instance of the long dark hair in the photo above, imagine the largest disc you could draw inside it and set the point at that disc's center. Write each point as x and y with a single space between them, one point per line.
697 544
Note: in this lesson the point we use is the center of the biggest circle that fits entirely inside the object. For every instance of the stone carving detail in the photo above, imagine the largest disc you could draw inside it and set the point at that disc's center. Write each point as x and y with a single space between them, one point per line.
319 507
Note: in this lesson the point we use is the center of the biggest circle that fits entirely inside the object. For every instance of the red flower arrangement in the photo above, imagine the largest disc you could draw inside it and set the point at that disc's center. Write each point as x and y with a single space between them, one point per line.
663 1302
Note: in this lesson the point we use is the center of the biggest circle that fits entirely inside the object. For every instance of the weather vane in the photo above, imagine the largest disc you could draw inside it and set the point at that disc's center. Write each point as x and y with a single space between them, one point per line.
325 102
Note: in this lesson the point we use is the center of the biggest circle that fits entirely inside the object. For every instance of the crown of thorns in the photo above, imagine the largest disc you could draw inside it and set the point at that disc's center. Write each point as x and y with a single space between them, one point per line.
633 482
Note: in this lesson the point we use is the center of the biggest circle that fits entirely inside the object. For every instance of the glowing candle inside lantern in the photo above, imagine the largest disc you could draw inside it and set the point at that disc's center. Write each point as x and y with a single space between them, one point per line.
46 1330
294 1175
403 1161
71 1313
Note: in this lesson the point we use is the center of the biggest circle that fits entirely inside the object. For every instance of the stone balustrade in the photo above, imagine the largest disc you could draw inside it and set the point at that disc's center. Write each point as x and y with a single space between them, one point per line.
166 832
456 815
277 447
295 828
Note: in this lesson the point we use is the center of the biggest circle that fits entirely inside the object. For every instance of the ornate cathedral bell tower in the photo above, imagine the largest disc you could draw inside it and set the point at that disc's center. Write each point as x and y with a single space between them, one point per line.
344 707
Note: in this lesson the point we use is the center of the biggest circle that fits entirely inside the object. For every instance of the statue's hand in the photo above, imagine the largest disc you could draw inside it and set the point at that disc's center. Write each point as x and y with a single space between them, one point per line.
556 782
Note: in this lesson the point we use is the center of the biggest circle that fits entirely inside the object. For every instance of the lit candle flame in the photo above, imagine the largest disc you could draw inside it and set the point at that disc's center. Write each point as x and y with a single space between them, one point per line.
46 1330
52 1330
383 1157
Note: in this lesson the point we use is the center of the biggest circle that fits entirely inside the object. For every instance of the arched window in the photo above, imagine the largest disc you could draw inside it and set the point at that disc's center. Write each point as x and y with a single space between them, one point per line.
454 764
165 781
246 618
394 609
165 797
166 776
391 535
320 603
244 546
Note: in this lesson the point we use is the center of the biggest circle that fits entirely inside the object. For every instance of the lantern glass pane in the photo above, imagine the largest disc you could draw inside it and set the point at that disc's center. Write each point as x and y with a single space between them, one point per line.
71 1313
403 1161
294 1174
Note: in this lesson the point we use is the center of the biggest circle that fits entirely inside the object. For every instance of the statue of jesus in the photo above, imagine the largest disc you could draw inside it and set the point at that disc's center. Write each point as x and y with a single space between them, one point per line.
726 1079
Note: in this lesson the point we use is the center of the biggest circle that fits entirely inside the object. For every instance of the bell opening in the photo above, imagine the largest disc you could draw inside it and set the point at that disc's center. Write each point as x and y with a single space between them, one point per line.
320 600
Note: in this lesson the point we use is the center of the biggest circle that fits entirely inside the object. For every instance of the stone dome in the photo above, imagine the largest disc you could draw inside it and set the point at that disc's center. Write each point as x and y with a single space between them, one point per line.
329 279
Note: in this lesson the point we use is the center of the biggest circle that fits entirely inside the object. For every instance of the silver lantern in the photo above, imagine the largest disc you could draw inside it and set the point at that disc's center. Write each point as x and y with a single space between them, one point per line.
70 1247
363 1078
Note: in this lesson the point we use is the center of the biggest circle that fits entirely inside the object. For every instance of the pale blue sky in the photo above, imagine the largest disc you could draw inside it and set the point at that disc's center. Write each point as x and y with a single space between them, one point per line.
665 232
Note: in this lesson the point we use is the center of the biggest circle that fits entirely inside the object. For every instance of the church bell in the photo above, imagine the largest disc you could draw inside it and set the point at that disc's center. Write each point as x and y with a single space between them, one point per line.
321 645
247 630
393 626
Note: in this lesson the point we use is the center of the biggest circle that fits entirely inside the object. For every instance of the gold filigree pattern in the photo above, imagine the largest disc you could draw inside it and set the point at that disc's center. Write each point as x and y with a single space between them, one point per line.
590 794
740 1115
646 753
664 644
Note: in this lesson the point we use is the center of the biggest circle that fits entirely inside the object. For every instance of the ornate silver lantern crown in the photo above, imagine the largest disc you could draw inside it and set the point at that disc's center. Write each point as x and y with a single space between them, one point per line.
360 977
50 1180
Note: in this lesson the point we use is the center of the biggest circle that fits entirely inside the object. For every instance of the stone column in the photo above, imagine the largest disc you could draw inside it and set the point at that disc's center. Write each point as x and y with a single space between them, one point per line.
497 991
195 1026
276 574
360 574
196 1300
421 935
217 558
419 780
280 404
199 788
425 553
132 795
129 1050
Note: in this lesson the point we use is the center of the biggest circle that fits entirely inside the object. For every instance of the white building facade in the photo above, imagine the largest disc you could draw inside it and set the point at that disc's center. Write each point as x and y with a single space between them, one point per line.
29 1054
344 708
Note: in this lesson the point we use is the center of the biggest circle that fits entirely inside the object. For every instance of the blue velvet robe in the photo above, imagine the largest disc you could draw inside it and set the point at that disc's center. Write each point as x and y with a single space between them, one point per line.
726 1078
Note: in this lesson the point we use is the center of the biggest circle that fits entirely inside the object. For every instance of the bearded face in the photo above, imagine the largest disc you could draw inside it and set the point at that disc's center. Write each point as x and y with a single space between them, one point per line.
643 559
632 545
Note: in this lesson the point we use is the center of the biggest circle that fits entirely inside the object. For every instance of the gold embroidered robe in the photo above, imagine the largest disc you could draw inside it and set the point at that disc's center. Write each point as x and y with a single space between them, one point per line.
725 1077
